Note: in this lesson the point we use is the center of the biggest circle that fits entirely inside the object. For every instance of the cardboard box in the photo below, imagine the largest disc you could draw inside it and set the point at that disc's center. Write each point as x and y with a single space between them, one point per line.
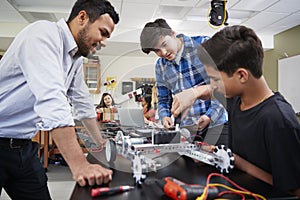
108 114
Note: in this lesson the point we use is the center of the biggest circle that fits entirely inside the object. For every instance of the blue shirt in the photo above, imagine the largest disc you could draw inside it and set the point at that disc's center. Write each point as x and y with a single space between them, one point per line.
173 78
40 76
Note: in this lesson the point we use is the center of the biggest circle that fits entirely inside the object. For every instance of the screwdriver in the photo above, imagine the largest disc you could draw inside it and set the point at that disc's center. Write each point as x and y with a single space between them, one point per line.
110 190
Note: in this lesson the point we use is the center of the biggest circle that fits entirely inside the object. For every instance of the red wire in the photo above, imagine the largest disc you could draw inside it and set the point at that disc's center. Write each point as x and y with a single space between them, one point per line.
198 142
195 135
230 181
204 143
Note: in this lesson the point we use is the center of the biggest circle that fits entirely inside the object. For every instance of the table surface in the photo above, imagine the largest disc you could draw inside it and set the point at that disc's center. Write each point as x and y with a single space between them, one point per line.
182 168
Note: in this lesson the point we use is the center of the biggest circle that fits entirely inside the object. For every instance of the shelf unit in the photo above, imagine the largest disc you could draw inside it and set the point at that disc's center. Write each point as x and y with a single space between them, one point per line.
91 72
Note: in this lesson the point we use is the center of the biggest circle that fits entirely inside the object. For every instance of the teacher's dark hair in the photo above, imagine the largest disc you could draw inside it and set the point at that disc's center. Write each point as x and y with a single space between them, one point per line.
94 9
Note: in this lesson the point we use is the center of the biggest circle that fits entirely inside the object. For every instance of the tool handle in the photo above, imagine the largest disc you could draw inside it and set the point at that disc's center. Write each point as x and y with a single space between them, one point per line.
179 190
108 190
193 191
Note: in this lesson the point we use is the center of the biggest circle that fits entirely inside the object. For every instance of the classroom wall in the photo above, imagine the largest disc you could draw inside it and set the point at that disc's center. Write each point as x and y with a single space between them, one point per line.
124 68
286 43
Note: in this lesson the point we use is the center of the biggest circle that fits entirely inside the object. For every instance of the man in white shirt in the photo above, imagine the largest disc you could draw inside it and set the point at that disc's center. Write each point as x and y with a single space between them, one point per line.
40 75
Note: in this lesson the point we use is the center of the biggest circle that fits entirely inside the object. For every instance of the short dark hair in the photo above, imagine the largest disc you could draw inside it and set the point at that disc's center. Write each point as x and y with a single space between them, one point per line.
231 48
94 9
152 32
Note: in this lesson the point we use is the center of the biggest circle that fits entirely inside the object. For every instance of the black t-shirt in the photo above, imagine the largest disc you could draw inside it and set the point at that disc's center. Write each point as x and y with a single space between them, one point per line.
268 135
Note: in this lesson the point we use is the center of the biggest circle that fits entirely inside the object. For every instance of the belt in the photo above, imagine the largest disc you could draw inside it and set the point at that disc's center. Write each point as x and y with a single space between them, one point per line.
14 143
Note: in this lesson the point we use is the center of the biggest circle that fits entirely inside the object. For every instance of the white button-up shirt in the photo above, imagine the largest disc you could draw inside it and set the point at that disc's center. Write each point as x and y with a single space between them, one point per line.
40 76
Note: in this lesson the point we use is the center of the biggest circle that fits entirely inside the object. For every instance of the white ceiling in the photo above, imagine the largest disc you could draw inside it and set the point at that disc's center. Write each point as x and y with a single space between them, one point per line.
266 17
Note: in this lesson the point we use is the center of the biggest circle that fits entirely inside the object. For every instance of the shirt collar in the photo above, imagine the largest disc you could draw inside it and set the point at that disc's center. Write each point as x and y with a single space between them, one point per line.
179 55
69 41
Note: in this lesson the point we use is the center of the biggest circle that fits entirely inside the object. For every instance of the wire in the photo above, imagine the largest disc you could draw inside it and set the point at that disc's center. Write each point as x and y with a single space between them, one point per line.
240 191
235 191
203 143
231 192
194 136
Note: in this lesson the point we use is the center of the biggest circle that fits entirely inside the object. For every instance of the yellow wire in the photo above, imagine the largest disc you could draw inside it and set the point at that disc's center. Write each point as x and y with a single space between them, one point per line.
228 188
235 190
203 194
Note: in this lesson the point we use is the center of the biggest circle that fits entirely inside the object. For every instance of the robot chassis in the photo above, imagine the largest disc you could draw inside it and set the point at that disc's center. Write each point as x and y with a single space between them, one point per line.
137 149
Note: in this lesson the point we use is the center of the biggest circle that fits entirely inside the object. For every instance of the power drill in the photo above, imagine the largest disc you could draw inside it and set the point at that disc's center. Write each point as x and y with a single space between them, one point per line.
179 190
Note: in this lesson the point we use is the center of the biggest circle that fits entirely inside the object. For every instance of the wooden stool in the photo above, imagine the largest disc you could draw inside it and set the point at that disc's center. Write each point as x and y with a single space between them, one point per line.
45 147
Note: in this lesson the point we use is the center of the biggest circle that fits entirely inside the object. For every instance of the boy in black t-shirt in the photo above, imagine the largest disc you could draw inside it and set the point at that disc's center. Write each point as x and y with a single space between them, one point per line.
263 128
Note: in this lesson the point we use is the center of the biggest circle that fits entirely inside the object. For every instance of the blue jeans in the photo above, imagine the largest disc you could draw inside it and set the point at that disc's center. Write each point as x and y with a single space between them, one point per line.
21 173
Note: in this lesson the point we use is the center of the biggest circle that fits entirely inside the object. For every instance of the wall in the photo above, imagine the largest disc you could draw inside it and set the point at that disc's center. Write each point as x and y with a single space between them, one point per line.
124 68
285 43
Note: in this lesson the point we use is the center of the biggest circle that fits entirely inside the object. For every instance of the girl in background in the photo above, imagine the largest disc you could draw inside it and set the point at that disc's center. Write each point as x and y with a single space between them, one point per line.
107 101
149 112
149 104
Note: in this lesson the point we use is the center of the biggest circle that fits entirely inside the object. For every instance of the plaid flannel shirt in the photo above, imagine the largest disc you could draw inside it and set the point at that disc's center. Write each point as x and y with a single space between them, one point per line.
172 78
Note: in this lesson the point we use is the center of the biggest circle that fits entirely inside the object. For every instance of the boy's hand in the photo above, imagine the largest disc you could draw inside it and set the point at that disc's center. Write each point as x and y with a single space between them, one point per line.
203 121
182 102
167 122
